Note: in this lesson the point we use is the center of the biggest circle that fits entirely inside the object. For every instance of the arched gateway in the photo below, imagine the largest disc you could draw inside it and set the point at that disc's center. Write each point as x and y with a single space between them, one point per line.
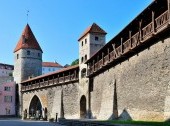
83 107
35 108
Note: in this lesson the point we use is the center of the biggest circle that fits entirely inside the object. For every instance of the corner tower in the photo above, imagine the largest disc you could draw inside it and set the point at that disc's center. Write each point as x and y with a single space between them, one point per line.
28 57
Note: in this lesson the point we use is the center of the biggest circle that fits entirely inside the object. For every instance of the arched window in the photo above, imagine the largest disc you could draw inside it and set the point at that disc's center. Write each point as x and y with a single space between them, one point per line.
83 72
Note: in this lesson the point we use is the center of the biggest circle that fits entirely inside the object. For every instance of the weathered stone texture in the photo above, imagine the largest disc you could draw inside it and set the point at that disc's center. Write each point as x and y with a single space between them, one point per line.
142 83
51 99
27 65
70 100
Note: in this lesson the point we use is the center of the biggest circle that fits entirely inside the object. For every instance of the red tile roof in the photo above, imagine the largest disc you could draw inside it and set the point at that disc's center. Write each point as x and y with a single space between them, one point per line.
94 28
52 73
51 64
27 40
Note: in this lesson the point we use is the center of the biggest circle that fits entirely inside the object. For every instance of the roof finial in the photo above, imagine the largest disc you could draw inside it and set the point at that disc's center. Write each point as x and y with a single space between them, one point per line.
27 15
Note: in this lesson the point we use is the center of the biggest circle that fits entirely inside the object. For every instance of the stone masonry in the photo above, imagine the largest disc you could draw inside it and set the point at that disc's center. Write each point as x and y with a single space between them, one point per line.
127 79
51 99
142 86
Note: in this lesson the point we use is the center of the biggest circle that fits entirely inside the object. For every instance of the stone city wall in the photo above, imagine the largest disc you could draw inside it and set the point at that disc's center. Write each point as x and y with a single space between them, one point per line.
142 84
50 98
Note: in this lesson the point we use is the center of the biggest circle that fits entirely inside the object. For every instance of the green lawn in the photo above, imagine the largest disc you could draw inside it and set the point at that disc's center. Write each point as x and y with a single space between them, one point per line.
140 123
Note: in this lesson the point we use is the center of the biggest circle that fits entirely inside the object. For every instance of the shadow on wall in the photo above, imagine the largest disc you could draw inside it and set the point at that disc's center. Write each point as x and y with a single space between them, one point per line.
89 115
123 116
167 120
115 116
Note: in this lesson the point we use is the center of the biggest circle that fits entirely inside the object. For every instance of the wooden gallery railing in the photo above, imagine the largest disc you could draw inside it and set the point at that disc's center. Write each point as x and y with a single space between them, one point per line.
145 33
41 83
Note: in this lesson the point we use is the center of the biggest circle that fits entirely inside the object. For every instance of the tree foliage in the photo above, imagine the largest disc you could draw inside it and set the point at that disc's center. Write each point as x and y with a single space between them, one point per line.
75 62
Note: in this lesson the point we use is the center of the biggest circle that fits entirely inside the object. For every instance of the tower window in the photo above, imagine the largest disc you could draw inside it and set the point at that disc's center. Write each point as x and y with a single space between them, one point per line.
85 57
96 38
17 56
38 54
82 59
28 52
83 72
82 43
85 41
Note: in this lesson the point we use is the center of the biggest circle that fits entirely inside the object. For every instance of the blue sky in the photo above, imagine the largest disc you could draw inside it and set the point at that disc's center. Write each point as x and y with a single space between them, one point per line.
57 24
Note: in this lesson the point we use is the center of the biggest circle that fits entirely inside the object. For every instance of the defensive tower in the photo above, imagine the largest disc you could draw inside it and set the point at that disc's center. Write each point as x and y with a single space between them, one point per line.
28 57
90 42
28 61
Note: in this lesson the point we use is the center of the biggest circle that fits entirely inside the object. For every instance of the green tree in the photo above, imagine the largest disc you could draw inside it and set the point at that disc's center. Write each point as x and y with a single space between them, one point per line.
75 62
10 74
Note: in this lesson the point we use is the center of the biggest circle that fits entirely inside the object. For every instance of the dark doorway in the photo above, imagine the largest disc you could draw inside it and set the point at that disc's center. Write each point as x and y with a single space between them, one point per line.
83 107
35 109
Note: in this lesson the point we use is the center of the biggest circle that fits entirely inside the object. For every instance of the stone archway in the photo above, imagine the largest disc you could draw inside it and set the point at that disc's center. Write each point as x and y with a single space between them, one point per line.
83 107
35 108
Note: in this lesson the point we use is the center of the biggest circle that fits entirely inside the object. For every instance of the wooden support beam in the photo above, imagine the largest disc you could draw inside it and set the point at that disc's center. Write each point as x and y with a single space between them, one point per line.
88 65
93 66
69 76
31 84
140 32
58 79
121 46
108 52
53 79
168 3
88 68
114 49
75 74
153 22
63 78
130 37
102 58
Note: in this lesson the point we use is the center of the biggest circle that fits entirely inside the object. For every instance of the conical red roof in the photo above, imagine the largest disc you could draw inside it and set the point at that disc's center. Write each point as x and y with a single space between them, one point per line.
27 40
94 28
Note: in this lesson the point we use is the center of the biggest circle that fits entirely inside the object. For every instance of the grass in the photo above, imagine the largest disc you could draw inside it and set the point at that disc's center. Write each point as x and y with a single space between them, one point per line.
140 123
